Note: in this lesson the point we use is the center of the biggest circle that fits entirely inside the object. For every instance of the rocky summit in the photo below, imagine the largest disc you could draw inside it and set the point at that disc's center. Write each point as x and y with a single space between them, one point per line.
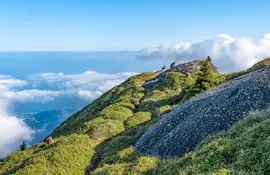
212 112
183 68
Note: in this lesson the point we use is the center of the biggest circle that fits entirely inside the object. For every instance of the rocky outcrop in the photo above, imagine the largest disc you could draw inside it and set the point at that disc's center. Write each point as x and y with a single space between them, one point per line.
191 67
212 112
184 68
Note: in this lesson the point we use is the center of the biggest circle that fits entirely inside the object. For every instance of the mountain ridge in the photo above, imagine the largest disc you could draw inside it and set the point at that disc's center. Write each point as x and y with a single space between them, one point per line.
100 138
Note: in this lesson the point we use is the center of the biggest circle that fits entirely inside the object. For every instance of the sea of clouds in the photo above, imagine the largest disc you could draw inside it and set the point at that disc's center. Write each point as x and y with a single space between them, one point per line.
228 54
86 86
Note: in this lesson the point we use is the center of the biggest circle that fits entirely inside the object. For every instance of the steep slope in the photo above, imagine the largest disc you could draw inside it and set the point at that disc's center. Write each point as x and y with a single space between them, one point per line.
243 150
113 122
100 138
214 111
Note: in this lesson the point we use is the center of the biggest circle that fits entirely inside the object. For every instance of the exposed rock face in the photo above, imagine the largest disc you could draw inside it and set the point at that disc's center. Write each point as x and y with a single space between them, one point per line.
185 68
214 111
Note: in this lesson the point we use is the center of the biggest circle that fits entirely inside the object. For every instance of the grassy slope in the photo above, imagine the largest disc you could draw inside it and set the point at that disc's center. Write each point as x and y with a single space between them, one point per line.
112 122
244 149
106 131
67 155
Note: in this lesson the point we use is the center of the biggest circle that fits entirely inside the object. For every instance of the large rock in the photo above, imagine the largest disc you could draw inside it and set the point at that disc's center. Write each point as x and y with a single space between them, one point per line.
214 111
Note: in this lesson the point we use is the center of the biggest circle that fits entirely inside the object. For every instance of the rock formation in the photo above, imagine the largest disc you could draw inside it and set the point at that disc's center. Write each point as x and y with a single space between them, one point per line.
184 68
212 112
191 67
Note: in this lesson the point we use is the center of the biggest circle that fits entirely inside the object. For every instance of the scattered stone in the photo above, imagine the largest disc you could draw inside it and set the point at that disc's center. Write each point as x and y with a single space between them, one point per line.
49 140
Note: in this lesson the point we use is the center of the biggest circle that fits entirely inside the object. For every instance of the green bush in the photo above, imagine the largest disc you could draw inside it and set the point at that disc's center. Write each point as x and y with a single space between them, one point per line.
163 110
126 155
172 81
137 118
115 112
101 129
117 144
206 79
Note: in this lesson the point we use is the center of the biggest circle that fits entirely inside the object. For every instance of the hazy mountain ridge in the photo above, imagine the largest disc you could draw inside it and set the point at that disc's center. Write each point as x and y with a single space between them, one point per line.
99 139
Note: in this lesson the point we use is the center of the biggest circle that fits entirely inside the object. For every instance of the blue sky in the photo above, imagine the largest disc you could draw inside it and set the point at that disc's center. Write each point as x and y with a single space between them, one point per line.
102 25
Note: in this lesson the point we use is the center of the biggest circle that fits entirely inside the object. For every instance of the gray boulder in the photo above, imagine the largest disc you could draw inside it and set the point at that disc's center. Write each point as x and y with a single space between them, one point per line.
212 112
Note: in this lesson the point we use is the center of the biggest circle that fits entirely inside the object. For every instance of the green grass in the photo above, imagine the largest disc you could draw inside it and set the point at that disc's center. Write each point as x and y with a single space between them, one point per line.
141 165
67 155
244 149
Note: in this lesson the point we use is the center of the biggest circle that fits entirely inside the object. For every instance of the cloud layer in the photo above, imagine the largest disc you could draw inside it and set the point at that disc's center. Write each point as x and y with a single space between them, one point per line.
86 86
13 132
228 53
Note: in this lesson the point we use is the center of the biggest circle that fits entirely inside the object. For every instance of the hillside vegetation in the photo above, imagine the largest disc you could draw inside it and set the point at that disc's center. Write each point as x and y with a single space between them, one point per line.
244 149
100 138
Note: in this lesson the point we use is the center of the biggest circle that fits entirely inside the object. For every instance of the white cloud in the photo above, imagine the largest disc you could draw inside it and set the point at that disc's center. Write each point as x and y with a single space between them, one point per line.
13 131
228 53
89 95
9 93
32 95
10 82
87 86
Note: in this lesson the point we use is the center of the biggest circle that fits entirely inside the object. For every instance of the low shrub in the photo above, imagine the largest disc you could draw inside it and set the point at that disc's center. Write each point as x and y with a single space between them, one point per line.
101 129
137 118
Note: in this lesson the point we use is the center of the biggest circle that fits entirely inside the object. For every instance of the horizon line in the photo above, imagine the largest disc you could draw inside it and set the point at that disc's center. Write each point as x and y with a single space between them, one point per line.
74 51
